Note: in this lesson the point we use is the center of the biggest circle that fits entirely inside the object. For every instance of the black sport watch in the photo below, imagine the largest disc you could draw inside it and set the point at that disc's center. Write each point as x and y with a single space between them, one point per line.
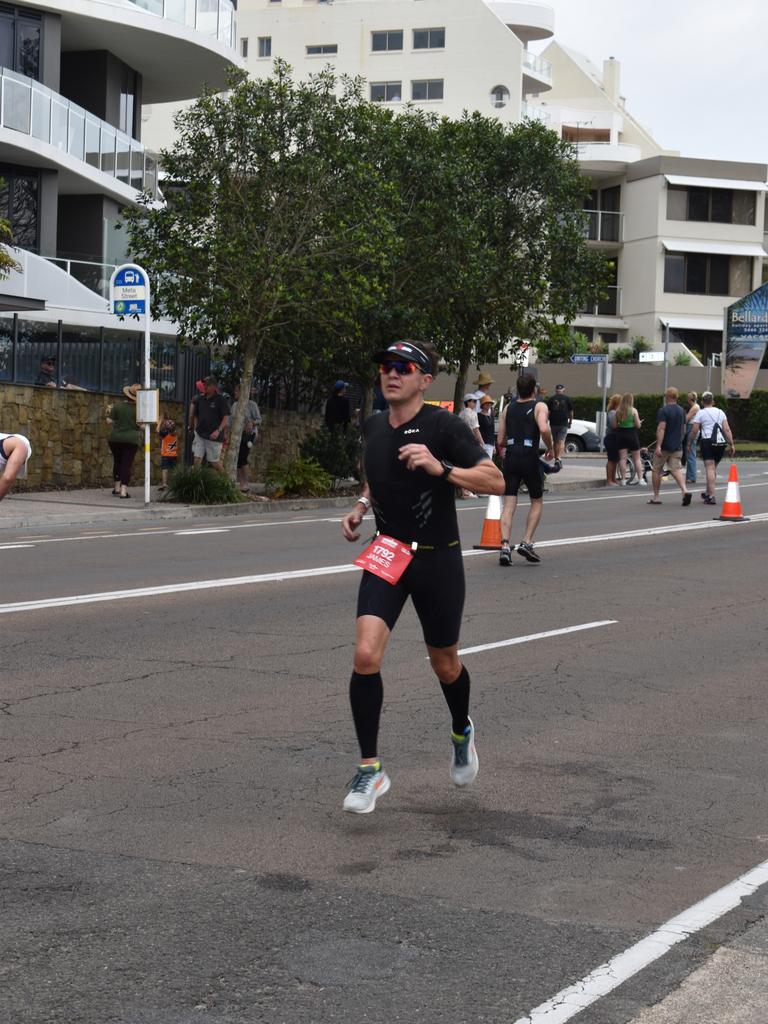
447 467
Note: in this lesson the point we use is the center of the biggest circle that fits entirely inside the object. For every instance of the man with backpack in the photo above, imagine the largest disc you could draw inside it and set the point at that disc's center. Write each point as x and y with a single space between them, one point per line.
716 436
560 418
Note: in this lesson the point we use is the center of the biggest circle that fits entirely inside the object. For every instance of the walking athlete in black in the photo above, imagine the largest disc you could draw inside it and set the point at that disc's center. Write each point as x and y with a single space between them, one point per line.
524 424
416 455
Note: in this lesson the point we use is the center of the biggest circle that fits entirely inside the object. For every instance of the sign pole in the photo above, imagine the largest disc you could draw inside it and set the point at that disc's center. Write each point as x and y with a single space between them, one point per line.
666 355
604 378
129 295
147 386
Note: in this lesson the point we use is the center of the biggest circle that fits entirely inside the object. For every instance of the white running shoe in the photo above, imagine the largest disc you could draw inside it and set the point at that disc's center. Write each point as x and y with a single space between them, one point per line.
464 760
643 482
368 784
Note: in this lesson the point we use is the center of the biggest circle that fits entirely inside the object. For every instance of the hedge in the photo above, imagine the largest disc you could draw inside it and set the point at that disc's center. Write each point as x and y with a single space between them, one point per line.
748 418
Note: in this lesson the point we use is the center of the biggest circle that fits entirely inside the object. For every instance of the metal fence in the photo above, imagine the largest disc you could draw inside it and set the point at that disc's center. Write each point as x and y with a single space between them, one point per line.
96 359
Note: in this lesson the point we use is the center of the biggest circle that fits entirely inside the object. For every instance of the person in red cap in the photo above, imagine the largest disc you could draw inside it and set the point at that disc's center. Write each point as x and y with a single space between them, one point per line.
415 457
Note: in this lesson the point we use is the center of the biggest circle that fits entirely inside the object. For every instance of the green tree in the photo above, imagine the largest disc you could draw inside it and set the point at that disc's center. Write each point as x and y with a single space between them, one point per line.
272 218
509 239
559 342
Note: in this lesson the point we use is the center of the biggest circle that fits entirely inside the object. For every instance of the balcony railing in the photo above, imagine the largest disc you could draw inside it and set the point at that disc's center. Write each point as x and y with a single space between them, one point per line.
611 306
211 17
95 276
538 65
603 226
535 113
32 109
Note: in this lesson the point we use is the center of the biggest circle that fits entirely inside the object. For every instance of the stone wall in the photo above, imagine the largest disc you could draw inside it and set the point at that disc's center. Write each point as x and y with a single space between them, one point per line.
68 431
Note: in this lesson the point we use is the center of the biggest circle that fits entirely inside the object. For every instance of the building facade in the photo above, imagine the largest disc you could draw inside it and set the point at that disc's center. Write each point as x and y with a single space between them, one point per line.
74 76
685 236
442 55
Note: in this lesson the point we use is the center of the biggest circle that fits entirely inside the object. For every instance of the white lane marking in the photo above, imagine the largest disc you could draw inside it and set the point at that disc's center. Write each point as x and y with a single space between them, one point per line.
537 636
14 547
173 588
194 533
166 531
604 979
329 570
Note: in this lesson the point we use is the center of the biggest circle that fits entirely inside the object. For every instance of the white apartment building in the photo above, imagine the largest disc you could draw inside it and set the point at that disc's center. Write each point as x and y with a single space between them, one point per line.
443 55
73 77
686 236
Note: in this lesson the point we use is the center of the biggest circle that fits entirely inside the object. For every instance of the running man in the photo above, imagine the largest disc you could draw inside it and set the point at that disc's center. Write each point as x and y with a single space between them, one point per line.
416 455
524 424
15 452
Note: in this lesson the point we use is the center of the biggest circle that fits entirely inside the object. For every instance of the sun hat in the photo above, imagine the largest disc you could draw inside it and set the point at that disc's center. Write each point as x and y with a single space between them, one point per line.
131 391
487 400
483 379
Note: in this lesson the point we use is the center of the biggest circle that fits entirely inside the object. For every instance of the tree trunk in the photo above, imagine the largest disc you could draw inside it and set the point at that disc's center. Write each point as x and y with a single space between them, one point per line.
249 351
461 379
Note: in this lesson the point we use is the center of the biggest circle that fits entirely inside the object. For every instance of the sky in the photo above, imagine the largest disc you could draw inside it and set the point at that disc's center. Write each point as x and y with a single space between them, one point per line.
695 72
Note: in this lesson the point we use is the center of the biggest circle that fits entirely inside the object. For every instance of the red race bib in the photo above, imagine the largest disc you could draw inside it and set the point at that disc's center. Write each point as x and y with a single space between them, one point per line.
386 558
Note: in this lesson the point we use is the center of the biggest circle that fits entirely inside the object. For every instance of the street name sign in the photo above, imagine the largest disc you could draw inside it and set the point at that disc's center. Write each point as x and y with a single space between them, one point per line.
591 358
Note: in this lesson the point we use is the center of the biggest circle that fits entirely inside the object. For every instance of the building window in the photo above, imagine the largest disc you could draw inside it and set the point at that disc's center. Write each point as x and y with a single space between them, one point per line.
499 96
265 46
244 47
383 41
128 106
427 89
429 39
386 92
698 273
711 205
322 48
21 33
20 205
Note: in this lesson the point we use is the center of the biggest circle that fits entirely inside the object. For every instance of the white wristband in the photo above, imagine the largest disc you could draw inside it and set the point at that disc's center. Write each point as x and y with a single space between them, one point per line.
364 502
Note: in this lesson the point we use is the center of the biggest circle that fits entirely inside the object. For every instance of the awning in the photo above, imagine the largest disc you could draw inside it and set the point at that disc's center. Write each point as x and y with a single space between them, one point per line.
713 248
694 323
744 186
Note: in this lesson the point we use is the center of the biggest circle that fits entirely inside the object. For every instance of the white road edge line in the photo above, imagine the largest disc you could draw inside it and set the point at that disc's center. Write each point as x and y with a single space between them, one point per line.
331 570
604 979
537 636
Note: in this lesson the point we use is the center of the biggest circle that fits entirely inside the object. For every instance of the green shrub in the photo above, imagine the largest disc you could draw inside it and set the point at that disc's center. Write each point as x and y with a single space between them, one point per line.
640 344
623 355
336 451
300 478
560 344
201 485
683 359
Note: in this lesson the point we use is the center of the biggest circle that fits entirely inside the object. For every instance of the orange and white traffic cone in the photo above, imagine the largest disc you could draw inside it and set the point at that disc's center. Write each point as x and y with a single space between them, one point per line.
490 538
732 505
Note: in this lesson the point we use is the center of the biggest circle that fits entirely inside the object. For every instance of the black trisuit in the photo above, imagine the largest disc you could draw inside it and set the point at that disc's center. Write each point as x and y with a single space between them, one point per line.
521 459
411 505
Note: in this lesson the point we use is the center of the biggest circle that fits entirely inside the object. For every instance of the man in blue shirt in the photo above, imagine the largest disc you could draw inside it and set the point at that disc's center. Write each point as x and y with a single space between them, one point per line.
670 431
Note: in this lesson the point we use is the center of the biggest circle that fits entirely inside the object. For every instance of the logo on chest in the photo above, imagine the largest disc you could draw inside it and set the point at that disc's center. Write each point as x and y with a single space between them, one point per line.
413 430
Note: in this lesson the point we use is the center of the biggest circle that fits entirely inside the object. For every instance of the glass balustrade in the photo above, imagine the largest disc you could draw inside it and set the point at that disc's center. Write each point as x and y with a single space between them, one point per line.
610 306
32 109
538 65
603 225
214 18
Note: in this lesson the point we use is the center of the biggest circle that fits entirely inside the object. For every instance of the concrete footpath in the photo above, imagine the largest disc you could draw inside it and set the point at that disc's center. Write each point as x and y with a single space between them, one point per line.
730 988
75 508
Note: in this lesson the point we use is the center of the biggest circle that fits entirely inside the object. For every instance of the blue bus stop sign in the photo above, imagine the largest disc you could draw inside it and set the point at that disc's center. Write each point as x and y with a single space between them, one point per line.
129 292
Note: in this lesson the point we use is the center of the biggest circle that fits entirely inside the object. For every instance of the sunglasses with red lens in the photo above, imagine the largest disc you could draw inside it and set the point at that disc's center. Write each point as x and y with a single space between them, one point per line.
402 367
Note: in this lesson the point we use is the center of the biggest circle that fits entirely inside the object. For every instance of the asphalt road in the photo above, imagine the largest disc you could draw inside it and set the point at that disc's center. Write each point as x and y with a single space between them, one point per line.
171 842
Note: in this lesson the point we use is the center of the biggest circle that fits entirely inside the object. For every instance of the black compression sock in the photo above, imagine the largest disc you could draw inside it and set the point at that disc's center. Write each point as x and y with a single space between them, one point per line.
457 698
366 695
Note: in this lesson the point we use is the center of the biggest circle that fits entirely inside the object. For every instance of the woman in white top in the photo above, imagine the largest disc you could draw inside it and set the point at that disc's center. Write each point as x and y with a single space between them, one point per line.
716 436
15 451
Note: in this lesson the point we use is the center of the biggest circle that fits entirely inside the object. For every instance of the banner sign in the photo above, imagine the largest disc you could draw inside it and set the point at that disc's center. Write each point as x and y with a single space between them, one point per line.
744 343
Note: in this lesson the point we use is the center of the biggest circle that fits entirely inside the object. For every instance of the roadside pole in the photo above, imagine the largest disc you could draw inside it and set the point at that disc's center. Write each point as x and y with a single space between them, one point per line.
130 295
604 379
666 354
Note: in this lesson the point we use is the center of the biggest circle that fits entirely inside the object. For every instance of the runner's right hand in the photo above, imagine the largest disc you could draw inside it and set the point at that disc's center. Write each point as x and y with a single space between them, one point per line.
350 524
